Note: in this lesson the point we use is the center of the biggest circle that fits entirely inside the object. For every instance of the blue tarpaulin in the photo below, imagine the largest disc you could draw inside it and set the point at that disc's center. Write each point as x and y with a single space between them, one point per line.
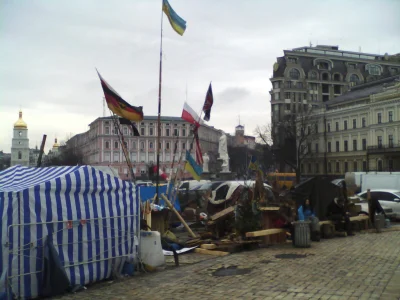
148 192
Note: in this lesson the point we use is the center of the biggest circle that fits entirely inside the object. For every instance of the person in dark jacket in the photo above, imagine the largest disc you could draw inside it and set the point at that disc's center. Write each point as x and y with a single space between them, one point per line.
287 216
337 212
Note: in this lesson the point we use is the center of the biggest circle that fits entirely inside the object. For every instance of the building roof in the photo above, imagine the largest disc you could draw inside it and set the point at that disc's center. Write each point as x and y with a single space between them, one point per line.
363 90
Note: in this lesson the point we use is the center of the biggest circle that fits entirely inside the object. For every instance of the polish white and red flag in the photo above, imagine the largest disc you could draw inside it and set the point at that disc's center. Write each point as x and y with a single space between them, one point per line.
163 176
189 115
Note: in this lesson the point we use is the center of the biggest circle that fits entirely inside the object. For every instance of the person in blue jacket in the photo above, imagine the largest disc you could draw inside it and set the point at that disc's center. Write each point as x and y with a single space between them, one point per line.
305 211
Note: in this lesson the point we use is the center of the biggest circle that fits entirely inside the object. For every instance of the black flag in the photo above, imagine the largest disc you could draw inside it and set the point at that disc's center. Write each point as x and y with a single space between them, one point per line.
208 103
124 121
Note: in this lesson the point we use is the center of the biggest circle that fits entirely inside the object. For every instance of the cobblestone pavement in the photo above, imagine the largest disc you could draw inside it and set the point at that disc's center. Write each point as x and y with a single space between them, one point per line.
365 266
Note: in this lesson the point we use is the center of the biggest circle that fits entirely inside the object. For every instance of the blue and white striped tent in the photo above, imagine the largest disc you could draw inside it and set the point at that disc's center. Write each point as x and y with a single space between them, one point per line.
91 216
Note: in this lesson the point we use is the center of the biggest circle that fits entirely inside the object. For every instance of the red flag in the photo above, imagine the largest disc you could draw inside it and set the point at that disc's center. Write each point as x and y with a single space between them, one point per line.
208 103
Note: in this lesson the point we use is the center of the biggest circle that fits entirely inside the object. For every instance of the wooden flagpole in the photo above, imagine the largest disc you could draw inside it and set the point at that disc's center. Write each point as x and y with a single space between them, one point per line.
159 110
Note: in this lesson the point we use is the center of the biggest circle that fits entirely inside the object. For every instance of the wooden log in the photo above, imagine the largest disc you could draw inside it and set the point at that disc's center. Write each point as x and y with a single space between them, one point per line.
359 218
269 208
208 246
171 207
222 213
265 232
326 222
210 252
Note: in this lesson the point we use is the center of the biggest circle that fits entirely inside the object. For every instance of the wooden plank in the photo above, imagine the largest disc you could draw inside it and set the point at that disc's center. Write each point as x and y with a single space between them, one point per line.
222 213
171 207
269 208
359 218
208 246
265 232
210 252
325 222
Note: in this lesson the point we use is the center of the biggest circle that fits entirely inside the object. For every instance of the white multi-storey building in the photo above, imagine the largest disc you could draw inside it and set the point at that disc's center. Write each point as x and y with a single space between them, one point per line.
20 143
358 131
100 145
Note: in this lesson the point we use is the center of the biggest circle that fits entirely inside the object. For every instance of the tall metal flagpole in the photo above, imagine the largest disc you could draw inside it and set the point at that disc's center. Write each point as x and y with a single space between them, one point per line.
159 111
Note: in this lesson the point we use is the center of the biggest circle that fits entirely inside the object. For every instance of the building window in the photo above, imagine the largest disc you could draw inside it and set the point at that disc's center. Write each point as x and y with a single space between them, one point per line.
116 157
19 155
352 66
329 147
354 145
151 131
125 131
316 148
167 132
183 132
134 145
380 165
151 145
107 145
299 85
364 124
379 141
345 125
313 75
325 76
294 74
142 145
337 89
116 145
329 127
337 126
390 164
336 77
346 146
323 66
289 84
390 116
176 132
390 138
337 146
276 96
379 118
374 69
329 167
183 146
107 130
346 166
126 145
142 131
167 145
277 85
354 78
354 123
292 60
337 167
364 166
364 144
355 166
287 106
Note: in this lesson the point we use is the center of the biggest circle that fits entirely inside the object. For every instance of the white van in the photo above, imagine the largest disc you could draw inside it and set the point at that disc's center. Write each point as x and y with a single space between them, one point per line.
378 181
189 184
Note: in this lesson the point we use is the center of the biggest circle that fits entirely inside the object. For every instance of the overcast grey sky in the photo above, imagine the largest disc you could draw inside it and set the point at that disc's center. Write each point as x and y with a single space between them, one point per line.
49 51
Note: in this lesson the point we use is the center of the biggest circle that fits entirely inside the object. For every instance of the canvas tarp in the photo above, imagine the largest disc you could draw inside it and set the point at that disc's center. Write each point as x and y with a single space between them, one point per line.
91 216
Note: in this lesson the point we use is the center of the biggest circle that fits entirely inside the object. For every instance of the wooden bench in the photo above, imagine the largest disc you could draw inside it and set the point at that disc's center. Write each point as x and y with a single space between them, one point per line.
352 219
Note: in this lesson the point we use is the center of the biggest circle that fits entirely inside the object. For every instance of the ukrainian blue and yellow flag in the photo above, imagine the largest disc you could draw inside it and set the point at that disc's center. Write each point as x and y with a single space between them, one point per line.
177 23
192 167
253 163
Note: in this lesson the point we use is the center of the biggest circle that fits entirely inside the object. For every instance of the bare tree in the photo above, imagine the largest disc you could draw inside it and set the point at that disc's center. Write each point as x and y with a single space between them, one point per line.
301 130
264 134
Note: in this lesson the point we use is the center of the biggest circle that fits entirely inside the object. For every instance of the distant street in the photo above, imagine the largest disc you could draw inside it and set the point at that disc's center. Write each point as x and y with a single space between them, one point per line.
366 266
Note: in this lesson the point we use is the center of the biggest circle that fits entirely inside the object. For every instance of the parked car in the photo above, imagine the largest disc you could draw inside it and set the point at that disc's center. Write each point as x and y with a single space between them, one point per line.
389 200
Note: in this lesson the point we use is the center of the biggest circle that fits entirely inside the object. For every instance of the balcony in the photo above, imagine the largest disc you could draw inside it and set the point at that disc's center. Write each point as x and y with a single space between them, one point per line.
389 148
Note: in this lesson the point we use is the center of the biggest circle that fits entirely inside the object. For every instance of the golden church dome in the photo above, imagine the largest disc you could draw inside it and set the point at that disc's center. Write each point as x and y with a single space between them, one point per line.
56 145
20 124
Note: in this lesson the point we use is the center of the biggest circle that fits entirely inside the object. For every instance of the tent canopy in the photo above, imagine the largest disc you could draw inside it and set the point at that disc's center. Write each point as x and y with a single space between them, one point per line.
91 216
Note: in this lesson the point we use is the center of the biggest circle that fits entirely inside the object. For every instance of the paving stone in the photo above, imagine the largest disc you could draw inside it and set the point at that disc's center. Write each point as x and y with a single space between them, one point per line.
360 267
